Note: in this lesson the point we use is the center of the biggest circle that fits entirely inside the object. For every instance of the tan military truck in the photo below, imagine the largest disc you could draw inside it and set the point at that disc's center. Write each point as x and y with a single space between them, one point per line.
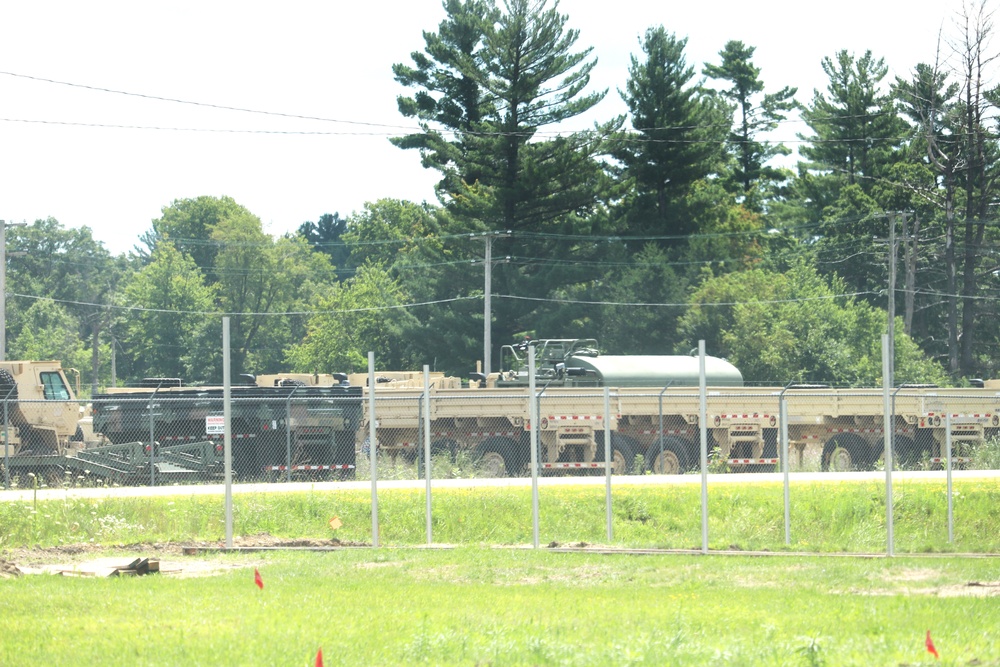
40 410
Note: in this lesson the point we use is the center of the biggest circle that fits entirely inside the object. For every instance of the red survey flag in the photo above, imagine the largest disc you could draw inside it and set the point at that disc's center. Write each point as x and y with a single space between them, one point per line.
257 579
929 643
319 657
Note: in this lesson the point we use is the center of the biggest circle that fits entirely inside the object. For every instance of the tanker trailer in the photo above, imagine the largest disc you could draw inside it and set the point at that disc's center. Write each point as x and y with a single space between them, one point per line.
493 422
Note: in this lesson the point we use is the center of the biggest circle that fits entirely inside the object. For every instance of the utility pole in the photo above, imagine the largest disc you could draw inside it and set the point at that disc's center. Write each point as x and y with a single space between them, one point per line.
3 284
488 238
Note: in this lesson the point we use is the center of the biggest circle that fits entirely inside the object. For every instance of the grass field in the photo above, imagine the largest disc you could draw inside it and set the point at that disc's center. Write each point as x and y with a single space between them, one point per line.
475 606
825 517
492 602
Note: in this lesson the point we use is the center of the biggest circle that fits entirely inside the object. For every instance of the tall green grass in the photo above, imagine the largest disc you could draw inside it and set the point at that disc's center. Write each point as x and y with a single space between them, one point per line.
825 517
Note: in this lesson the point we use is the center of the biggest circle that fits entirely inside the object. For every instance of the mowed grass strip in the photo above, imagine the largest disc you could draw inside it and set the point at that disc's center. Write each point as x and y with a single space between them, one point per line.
825 517
476 606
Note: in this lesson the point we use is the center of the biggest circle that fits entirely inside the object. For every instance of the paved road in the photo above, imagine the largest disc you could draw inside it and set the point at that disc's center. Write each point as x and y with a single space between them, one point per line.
16 495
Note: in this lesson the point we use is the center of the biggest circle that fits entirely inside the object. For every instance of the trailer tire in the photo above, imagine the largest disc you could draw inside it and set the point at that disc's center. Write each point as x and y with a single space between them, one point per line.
622 452
843 453
500 457
668 456
8 386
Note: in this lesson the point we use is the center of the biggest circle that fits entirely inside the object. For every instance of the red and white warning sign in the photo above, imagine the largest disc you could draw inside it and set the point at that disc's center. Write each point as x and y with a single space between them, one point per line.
215 425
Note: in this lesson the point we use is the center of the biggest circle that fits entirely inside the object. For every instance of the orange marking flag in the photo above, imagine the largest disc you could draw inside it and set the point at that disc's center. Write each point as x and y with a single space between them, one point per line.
929 643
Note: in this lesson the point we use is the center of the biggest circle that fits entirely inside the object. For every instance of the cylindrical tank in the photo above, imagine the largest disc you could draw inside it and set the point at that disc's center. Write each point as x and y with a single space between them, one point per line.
655 371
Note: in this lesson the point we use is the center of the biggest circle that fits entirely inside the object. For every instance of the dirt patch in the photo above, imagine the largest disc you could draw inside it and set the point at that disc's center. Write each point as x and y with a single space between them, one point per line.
174 557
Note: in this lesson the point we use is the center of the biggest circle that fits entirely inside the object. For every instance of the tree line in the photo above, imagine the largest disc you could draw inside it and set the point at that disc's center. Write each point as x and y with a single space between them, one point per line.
678 221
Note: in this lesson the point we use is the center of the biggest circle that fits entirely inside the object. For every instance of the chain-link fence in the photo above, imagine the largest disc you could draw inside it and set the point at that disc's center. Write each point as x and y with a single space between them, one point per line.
160 439
324 434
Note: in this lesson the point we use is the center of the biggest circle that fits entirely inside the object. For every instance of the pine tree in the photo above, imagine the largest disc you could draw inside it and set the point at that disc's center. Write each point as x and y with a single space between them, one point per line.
756 113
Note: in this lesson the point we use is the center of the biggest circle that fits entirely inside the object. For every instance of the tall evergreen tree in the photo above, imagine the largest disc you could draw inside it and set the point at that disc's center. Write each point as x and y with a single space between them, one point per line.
326 235
449 101
484 105
679 133
856 129
756 113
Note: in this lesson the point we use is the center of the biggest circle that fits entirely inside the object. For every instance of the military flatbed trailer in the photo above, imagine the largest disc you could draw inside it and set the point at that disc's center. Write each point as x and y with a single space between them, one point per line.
121 464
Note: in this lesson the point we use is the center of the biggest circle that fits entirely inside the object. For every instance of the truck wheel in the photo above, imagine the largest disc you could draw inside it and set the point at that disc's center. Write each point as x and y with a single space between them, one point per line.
622 452
8 386
668 456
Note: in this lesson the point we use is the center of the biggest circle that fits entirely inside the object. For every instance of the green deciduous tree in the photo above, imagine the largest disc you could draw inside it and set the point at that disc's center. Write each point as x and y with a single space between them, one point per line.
797 326
48 331
189 224
71 267
172 306
261 282
353 318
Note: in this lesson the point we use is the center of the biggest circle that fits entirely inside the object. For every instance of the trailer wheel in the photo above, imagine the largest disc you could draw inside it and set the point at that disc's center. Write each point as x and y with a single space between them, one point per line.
499 457
622 452
668 456
844 453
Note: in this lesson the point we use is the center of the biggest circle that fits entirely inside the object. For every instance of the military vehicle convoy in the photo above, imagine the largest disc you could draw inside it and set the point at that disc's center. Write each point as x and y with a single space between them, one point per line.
307 423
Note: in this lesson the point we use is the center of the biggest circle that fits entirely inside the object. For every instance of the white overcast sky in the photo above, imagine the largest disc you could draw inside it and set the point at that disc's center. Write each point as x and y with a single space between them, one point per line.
328 59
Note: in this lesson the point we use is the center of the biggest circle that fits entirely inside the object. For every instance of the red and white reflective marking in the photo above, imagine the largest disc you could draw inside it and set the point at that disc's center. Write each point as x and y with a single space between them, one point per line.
498 434
954 459
984 415
750 461
573 465
746 416
899 431
575 417
675 431
337 467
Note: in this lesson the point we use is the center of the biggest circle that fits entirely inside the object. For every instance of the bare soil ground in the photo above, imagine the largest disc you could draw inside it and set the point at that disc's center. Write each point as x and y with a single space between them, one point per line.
181 558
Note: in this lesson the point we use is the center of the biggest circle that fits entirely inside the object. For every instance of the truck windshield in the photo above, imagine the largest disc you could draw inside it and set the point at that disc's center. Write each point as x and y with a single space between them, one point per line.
54 387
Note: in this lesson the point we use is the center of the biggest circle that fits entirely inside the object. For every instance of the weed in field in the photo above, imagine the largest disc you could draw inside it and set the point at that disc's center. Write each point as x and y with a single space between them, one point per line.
812 652
986 456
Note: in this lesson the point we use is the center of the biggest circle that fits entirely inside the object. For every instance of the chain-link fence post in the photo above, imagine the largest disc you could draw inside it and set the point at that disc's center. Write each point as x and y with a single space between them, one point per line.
533 412
373 446
947 455
887 425
607 457
785 462
288 436
425 408
152 431
703 427
6 441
